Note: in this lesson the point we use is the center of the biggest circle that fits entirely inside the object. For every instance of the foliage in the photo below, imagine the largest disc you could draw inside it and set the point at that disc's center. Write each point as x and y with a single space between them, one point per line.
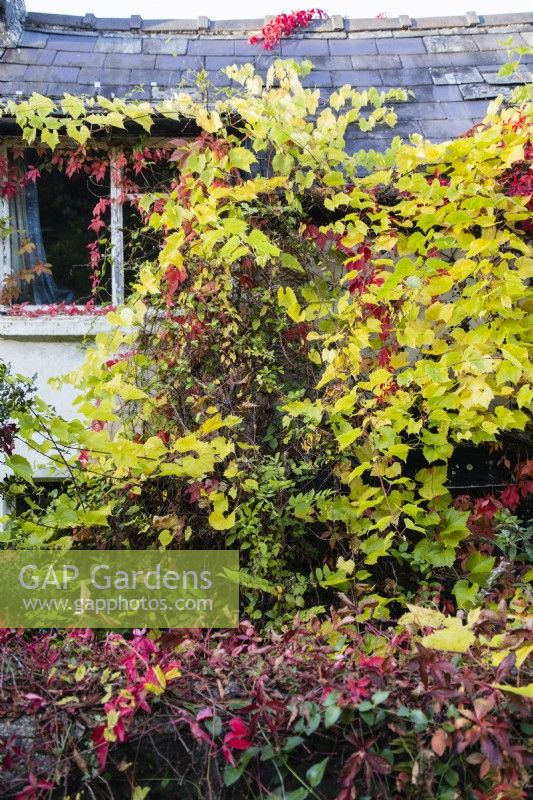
285 25
328 710
294 373
320 339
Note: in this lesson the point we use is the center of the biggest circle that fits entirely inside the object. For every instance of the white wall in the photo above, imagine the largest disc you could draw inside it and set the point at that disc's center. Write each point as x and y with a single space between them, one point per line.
47 347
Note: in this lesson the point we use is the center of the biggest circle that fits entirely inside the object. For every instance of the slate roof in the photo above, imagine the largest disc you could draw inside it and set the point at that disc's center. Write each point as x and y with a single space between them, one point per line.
451 63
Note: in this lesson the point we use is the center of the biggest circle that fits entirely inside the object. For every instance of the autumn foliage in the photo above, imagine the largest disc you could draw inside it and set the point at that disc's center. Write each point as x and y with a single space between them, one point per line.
323 348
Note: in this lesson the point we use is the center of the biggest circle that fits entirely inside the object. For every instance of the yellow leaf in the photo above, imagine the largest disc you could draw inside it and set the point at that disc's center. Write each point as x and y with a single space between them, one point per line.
523 691
455 638
422 617
217 520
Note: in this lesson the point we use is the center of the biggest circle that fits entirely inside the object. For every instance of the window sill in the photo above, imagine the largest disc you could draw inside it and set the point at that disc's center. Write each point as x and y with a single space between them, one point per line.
58 326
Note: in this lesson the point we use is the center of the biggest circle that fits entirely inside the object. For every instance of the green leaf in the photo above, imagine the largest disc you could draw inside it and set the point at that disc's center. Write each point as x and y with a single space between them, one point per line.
165 537
479 567
315 773
296 794
232 774
241 158
508 69
432 480
331 715
465 593
290 262
380 697
376 546
20 466
140 793
262 244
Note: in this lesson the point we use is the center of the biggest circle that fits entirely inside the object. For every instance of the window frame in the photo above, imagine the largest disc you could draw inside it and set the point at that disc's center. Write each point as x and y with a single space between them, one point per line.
116 224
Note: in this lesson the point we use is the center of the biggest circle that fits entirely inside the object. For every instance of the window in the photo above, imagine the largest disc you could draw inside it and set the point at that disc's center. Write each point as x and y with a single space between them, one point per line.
48 252
41 495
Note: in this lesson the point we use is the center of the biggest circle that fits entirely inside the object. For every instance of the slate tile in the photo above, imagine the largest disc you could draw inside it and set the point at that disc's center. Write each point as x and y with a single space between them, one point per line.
475 109
397 46
317 79
479 59
108 90
160 77
118 44
376 62
305 47
14 88
219 62
59 88
492 41
211 47
33 39
420 111
129 61
414 60
349 47
443 75
65 41
142 77
403 128
27 55
179 62
450 44
522 75
478 91
70 59
457 110
446 92
528 37
358 78
244 48
333 63
88 75
405 78
52 74
172 45
442 130
158 93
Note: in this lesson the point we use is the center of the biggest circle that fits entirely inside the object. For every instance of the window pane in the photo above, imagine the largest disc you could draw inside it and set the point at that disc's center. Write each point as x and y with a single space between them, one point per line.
66 206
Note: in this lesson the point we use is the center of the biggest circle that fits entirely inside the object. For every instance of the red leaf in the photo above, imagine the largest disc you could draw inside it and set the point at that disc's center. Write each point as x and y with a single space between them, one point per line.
238 727
101 745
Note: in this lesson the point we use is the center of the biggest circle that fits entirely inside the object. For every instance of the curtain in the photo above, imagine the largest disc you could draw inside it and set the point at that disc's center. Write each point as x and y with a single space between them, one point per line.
26 226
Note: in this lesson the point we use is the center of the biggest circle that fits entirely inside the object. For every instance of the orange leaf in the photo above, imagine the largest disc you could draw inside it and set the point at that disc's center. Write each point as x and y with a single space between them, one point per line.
26 275
27 246
42 269
439 741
